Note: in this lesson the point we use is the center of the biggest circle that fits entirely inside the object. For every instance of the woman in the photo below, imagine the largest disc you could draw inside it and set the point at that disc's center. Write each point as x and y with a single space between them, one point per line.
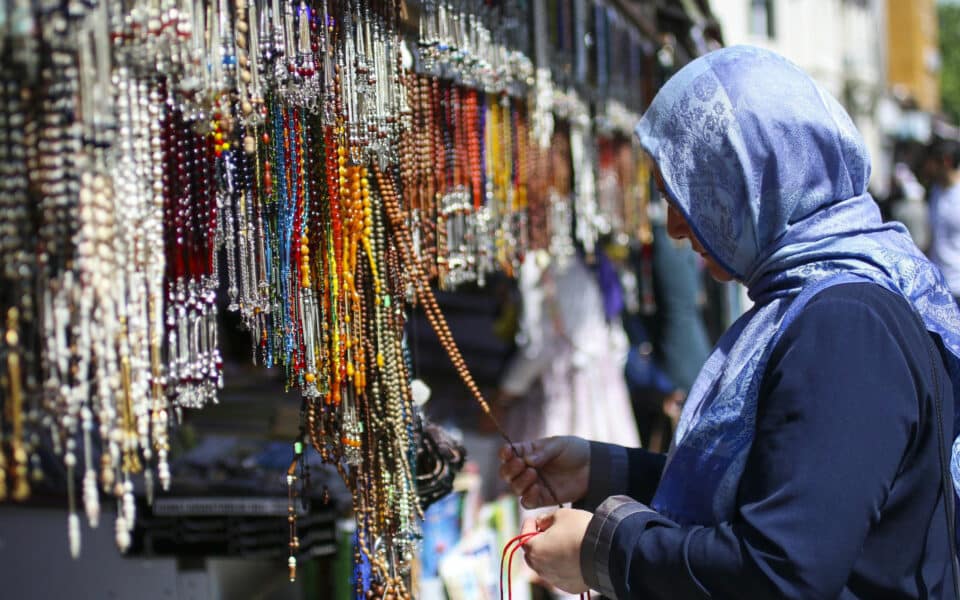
808 460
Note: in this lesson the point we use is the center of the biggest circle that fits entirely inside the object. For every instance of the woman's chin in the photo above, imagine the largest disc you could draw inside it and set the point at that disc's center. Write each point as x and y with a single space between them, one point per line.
718 273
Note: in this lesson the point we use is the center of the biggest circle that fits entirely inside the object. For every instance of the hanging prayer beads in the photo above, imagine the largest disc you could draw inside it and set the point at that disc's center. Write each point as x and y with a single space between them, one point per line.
327 161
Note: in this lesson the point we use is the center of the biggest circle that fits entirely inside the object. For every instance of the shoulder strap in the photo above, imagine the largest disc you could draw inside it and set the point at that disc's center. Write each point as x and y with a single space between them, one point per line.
946 484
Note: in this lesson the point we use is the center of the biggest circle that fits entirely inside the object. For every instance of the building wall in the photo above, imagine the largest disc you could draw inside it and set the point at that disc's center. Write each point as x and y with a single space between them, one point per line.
914 58
841 43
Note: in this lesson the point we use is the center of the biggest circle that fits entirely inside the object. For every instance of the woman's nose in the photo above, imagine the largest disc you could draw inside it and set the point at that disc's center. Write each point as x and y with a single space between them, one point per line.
676 225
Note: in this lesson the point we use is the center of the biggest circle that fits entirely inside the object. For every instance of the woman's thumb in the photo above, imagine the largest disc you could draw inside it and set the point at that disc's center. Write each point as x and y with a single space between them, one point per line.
545 521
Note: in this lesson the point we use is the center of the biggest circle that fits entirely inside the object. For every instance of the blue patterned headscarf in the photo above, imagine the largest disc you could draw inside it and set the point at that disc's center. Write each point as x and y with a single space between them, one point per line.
771 175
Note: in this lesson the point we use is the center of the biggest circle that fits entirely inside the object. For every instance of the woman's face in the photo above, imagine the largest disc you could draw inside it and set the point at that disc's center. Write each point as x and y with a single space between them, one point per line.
679 229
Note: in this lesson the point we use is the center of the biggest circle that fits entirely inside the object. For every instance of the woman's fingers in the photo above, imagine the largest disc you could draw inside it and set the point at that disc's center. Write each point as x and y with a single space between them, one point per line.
545 521
546 450
524 480
535 453
529 525
530 554
521 479
526 469
531 547
531 497
512 466
522 449
509 469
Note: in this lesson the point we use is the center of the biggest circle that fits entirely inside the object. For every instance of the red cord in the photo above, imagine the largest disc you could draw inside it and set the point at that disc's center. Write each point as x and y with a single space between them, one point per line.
519 540
517 543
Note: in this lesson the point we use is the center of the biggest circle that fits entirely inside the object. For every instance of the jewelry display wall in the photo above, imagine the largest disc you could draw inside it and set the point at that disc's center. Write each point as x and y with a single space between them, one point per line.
317 166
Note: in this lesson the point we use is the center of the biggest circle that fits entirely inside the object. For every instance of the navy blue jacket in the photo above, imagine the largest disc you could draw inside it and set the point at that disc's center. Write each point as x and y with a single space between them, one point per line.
841 494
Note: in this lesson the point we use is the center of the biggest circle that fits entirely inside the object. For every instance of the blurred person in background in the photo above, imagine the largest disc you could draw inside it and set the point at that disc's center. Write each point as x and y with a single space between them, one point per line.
668 338
945 212
909 207
907 198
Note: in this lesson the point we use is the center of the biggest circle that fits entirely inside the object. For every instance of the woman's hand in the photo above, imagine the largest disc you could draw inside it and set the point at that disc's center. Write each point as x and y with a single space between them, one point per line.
555 554
563 461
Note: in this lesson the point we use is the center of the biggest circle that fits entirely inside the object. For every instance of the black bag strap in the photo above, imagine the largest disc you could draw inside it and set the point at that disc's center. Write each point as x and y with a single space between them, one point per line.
946 484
